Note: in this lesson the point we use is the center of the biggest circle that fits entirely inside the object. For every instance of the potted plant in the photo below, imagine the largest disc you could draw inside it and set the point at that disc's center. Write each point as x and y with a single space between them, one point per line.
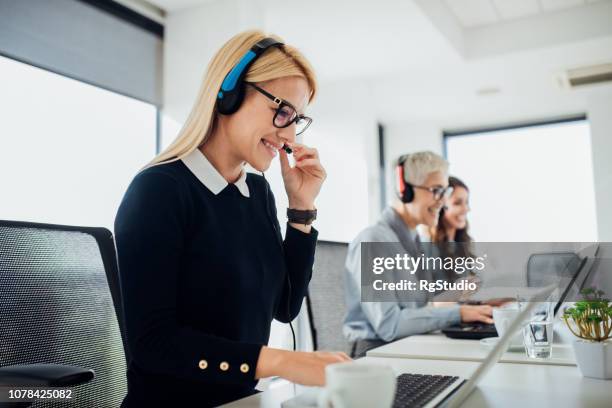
591 321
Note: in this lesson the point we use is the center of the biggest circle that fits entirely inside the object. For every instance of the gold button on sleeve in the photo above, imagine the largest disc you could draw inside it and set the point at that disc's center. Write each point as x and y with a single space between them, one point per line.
224 366
244 368
203 364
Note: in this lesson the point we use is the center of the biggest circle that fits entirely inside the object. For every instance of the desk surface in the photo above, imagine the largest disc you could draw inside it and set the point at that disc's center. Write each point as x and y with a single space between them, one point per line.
440 347
506 385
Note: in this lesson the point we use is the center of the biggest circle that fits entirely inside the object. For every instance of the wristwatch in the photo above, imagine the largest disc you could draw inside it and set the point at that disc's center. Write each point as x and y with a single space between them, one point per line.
305 217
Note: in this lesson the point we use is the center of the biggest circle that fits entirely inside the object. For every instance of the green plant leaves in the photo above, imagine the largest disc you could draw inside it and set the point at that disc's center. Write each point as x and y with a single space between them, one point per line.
590 318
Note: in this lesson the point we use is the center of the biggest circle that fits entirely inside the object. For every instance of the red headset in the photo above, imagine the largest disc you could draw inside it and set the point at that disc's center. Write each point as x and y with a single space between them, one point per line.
405 191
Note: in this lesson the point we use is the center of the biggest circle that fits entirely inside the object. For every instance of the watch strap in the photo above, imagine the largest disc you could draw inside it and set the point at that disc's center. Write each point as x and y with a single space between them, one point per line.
305 217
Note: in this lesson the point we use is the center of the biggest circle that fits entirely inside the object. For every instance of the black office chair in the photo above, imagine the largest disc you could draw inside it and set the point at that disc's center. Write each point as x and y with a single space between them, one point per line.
548 268
59 303
325 301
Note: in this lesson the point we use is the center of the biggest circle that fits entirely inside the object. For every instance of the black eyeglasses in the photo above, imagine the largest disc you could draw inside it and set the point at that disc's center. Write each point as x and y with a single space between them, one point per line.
438 192
285 114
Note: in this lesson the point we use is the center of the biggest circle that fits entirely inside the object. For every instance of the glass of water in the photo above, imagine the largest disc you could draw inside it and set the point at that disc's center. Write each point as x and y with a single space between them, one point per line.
538 331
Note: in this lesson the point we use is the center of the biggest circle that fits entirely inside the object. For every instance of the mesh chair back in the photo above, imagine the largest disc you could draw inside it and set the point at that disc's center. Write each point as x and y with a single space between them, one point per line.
56 306
326 303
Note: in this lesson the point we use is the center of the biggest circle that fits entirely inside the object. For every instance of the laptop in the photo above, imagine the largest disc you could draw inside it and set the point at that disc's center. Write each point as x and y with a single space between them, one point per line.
477 331
418 390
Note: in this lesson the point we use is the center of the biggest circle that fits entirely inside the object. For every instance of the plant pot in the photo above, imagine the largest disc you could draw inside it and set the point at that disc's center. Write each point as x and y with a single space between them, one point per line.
594 358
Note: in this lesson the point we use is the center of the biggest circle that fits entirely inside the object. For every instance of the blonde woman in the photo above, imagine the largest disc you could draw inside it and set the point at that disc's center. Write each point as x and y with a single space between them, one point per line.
203 266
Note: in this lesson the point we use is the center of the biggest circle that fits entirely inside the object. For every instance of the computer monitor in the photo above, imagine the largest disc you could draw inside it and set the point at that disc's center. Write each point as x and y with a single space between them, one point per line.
583 277
590 277
565 269
572 287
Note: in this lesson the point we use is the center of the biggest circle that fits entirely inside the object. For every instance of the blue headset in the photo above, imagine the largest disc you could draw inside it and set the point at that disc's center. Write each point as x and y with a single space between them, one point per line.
232 90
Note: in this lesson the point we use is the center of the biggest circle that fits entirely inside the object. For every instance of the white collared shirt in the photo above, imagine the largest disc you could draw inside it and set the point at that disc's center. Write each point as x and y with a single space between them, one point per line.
199 165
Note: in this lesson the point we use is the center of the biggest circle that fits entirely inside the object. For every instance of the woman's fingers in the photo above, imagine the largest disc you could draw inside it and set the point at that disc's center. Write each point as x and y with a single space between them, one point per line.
308 368
284 160
476 313
312 166
300 151
334 356
486 313
345 356
339 357
487 310
307 157
308 162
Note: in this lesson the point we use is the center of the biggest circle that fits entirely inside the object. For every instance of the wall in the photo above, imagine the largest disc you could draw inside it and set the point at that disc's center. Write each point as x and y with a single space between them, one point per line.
192 36
600 116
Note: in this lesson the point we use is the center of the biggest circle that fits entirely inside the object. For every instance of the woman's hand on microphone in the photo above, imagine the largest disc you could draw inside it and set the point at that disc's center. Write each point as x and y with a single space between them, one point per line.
306 368
303 181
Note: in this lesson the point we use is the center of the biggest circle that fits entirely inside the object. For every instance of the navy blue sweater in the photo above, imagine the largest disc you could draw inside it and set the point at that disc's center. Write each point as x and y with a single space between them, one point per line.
202 276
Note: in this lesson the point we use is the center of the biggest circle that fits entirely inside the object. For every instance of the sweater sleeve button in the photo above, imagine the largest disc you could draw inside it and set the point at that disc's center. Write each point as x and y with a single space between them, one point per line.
203 364
244 368
224 366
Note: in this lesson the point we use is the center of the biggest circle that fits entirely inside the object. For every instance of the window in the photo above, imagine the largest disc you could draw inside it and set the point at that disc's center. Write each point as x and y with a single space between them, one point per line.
69 150
531 183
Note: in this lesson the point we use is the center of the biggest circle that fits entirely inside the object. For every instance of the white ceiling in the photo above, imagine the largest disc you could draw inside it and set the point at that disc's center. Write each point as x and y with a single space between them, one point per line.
174 5
475 13
406 63
470 13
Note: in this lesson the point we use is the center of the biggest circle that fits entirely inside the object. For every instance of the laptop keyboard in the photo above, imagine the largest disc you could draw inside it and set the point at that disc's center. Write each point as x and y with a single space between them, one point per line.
475 331
475 327
416 390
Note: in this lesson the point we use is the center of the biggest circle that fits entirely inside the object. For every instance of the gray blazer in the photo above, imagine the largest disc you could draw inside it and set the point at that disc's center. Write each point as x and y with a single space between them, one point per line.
389 320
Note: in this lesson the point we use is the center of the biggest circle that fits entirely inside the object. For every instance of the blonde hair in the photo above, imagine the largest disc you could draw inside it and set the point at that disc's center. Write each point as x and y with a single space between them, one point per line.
419 165
276 62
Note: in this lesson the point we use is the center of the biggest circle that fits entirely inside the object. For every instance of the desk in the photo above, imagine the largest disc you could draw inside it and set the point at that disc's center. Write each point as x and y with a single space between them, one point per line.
506 385
440 347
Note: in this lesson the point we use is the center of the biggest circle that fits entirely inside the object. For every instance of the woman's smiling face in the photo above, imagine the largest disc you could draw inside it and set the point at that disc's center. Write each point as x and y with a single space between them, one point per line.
251 132
458 205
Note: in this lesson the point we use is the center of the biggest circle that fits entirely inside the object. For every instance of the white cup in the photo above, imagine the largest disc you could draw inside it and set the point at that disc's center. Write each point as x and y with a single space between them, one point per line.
503 317
357 385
